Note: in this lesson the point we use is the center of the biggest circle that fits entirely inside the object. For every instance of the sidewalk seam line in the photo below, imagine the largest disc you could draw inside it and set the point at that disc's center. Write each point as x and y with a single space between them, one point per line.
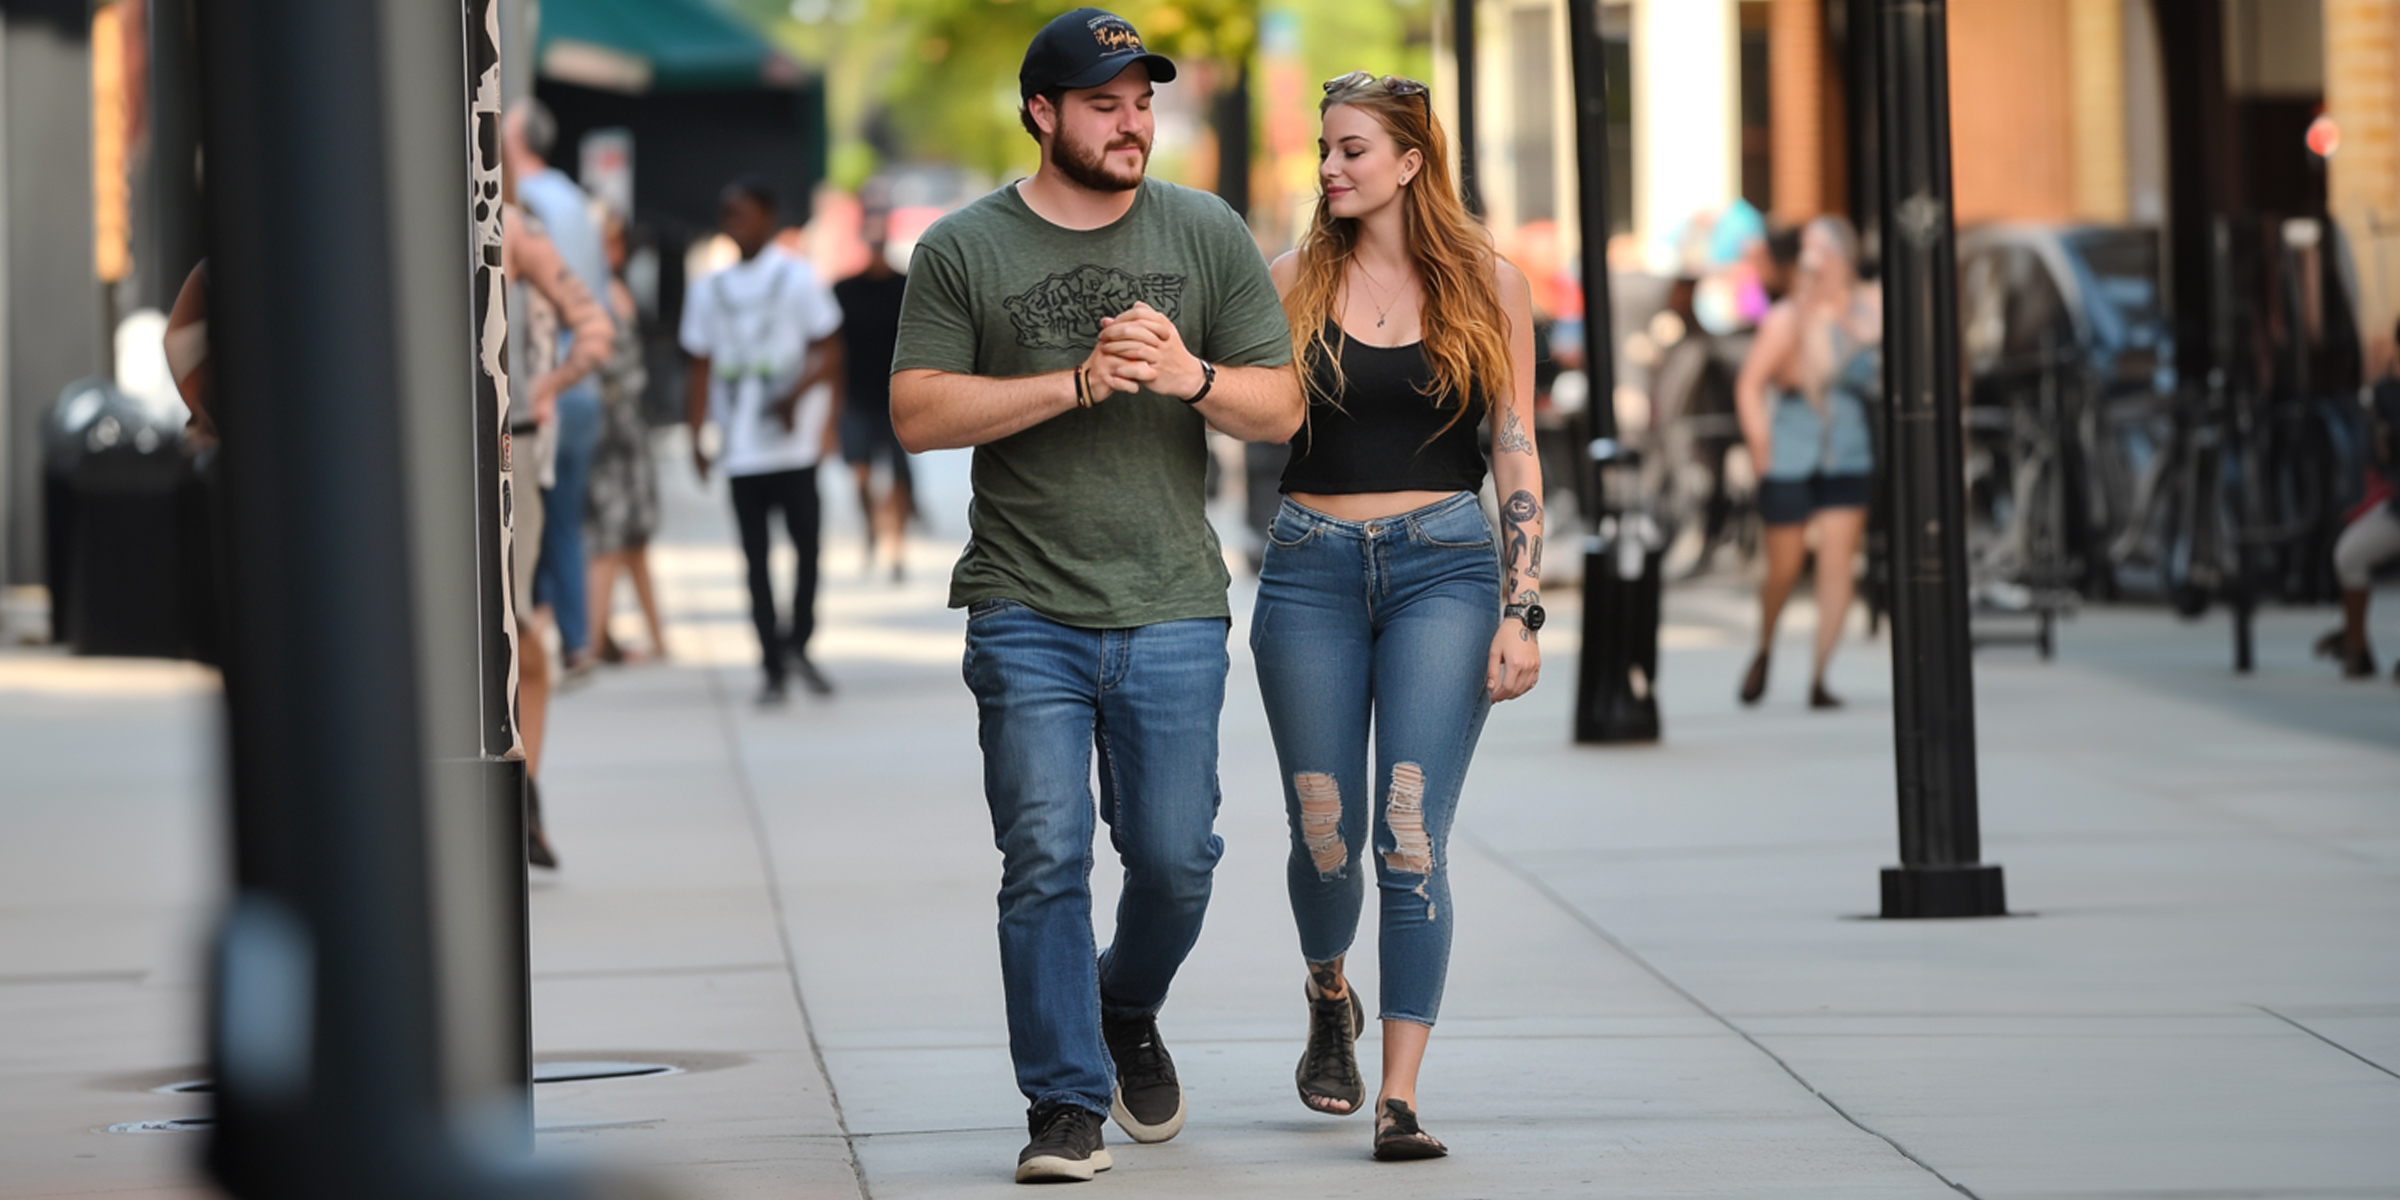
2328 1041
783 930
1538 884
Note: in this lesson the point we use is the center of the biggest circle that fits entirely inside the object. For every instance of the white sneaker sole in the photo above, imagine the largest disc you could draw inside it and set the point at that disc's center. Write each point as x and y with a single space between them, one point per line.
1147 1133
1050 1168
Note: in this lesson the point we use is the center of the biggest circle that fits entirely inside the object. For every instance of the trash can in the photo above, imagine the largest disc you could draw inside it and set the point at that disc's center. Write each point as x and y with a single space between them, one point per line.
116 480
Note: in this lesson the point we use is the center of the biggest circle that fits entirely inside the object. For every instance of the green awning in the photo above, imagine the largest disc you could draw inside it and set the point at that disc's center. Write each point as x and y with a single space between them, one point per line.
656 46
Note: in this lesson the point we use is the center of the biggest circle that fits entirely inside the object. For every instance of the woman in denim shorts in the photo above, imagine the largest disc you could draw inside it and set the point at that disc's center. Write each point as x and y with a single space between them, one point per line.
1802 397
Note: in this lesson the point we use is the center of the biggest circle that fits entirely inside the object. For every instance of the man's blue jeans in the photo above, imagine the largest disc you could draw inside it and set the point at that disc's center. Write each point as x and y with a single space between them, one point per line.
560 581
1147 699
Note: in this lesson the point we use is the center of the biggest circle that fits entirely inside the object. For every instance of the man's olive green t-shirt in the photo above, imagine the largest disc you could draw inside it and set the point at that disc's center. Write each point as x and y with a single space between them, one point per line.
1094 518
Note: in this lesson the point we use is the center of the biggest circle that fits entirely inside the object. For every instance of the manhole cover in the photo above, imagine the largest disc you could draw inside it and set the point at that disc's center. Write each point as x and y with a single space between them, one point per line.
178 1125
578 1072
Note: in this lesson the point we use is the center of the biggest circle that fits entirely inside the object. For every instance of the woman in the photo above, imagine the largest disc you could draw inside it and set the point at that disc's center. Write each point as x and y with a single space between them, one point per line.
544 299
1383 598
2369 537
621 507
1819 351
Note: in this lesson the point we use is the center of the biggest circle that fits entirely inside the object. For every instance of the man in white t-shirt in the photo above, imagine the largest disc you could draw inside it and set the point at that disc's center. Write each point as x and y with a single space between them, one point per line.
760 334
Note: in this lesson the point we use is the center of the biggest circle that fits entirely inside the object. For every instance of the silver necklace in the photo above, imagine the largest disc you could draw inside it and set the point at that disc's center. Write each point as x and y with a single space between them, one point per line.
1373 286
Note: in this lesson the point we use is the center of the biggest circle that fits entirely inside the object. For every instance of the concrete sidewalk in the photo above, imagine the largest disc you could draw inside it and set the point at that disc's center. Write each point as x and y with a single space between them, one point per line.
1662 983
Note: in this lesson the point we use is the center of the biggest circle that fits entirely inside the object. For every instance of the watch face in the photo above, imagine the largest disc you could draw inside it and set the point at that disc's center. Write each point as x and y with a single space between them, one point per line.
1535 614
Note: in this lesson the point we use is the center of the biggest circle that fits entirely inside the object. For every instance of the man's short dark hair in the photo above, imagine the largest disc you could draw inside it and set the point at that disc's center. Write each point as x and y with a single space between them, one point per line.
541 128
753 188
1057 98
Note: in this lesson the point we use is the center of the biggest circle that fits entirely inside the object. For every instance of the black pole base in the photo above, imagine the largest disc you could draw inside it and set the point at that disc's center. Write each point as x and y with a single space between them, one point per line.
1971 890
1616 698
1623 717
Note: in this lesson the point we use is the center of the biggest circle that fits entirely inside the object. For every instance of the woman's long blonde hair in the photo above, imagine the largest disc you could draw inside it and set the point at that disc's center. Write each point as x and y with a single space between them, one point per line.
1465 329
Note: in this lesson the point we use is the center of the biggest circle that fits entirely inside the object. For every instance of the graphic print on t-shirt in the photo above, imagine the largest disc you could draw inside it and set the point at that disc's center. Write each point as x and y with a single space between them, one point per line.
1063 312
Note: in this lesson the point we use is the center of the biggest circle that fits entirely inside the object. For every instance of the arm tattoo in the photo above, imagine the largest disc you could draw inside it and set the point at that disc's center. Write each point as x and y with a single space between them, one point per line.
1521 556
1513 439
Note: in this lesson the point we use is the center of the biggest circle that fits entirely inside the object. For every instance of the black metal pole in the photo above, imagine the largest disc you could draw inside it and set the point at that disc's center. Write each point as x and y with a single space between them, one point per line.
1862 118
333 195
174 167
1231 113
1615 689
1933 687
1462 47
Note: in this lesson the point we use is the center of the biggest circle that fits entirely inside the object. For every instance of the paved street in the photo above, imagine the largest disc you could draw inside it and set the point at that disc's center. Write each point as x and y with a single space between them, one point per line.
1663 984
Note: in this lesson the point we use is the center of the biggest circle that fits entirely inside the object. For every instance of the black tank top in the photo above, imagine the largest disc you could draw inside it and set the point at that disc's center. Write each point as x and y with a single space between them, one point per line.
1386 435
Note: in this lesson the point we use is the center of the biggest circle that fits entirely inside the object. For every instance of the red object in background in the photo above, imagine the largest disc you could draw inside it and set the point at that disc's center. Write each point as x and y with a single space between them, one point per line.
2379 489
2324 137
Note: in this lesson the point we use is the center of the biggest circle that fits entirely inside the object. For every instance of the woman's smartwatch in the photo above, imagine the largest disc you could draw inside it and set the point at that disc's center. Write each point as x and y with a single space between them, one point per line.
1532 614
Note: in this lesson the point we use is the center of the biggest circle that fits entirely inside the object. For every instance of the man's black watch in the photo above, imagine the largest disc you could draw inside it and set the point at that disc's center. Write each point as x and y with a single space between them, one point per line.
1532 614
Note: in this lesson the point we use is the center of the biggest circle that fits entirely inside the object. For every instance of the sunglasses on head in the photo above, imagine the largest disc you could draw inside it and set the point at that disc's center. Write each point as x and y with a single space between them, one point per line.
1394 85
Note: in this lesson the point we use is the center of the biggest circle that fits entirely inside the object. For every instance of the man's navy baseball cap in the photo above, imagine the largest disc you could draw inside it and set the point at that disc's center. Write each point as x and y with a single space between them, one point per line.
1085 48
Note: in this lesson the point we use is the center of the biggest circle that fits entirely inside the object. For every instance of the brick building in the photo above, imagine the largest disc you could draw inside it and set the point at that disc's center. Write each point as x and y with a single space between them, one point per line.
2061 111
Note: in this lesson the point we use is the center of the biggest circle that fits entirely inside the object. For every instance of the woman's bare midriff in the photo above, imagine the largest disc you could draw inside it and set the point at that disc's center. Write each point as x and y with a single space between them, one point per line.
1368 506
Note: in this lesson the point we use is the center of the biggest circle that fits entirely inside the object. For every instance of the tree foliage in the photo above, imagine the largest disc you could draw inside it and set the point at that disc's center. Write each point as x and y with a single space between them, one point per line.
936 80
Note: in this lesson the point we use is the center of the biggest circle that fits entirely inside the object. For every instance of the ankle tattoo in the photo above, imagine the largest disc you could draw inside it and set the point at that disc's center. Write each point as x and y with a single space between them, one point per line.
1327 976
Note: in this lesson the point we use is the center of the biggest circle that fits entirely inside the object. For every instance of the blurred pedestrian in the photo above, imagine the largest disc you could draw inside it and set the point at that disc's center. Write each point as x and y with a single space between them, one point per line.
1383 600
1802 397
547 306
870 302
527 135
1082 329
762 339
2370 538
621 511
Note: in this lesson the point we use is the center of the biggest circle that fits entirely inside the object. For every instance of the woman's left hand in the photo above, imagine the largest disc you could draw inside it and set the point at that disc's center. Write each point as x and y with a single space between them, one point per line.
1516 663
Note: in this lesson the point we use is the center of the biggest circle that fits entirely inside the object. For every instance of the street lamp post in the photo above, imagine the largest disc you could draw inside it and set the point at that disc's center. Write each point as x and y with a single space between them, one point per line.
1933 687
1615 696
1462 47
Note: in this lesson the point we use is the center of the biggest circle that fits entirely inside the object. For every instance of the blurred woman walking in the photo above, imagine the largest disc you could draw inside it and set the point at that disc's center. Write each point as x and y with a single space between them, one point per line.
621 507
1802 399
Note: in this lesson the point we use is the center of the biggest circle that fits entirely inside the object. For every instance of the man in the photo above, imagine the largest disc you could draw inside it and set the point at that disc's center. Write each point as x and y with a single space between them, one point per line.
526 137
870 302
762 339
1080 329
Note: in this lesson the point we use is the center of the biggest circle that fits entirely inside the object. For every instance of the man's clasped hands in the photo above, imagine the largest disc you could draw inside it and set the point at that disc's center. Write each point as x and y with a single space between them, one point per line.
1140 348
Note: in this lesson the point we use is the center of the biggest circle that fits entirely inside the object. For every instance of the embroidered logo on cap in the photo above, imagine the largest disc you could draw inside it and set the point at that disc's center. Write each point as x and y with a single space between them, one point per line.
1114 35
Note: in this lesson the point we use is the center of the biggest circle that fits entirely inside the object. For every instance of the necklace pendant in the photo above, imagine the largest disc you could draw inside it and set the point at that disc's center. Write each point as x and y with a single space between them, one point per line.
1379 322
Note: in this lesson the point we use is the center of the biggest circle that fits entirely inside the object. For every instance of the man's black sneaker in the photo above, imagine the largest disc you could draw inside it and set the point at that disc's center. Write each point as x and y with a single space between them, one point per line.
1065 1147
1149 1105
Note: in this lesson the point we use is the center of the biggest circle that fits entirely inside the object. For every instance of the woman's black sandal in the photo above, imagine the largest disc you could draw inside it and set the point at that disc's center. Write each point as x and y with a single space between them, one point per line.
1398 1137
1329 1066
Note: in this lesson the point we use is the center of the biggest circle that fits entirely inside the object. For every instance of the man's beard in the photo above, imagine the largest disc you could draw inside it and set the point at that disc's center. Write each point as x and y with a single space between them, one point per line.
1088 168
